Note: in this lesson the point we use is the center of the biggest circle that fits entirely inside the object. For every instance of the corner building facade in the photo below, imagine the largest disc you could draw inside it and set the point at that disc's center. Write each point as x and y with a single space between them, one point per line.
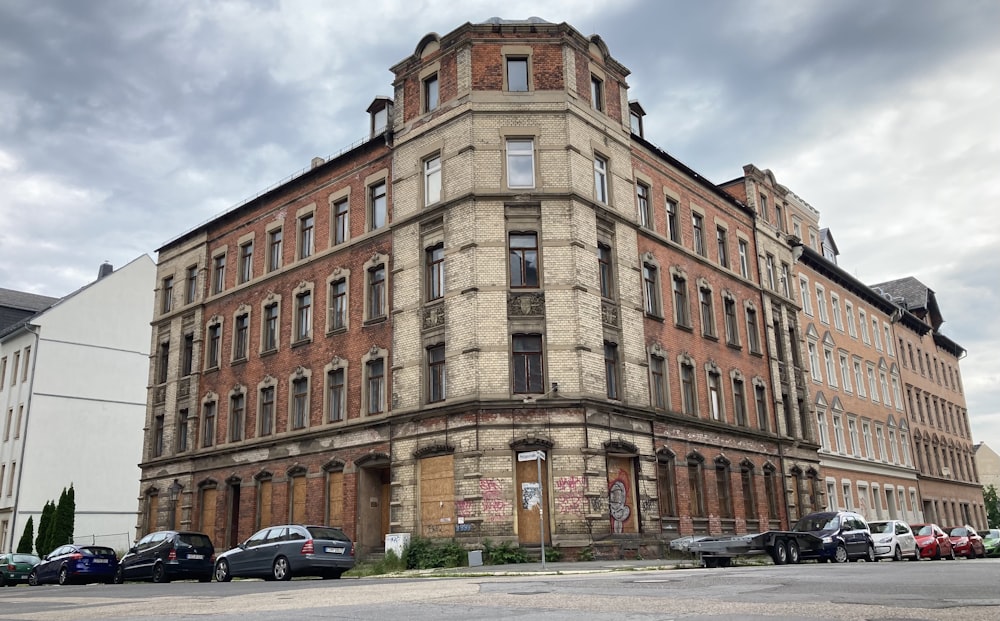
506 278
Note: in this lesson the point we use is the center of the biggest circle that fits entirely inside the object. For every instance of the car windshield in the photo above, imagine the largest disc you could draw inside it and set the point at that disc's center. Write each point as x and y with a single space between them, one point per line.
812 523
925 529
325 532
959 532
882 527
993 534
97 551
26 558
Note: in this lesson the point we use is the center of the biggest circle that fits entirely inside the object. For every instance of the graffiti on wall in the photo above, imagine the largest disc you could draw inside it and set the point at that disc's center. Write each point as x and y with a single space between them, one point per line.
569 495
495 507
618 501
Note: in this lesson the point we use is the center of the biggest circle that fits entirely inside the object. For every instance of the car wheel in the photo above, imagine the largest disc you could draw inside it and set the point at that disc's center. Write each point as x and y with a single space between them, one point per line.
779 553
937 553
32 578
222 571
160 574
3 580
870 554
952 555
63 576
280 570
793 552
897 554
119 576
840 555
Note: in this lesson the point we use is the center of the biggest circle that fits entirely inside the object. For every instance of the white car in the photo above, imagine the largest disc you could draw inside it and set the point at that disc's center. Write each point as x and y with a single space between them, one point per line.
894 539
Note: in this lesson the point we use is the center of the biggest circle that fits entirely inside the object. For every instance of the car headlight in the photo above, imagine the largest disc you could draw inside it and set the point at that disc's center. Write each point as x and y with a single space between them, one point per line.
827 539
884 539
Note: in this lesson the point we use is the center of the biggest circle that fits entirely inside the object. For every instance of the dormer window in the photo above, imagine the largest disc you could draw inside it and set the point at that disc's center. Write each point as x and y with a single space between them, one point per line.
380 111
635 114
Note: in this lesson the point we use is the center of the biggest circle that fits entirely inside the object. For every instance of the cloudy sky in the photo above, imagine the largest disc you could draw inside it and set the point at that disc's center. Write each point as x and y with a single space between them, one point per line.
125 123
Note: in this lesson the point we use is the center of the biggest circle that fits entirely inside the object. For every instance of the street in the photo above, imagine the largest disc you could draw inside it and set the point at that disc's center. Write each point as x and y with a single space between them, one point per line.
967 590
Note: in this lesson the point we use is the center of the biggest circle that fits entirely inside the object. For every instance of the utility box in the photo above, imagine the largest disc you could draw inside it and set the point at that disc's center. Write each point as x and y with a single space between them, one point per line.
475 558
397 542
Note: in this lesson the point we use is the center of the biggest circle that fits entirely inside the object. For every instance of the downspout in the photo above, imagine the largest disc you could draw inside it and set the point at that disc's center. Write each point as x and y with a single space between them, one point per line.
24 437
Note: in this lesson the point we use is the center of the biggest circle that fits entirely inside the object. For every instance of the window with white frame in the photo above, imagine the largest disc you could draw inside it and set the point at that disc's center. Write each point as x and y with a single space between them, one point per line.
824 431
896 392
863 323
520 163
805 297
743 250
601 179
430 92
875 334
596 93
824 316
517 74
831 371
307 225
432 179
866 431
849 310
884 385
715 394
852 433
893 448
651 290
769 268
845 372
880 438
753 336
872 385
838 319
698 231
378 206
643 205
814 366
859 378
848 501
838 432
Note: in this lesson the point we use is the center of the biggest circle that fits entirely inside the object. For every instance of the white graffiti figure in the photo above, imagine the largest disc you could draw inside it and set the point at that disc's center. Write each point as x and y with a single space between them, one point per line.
617 507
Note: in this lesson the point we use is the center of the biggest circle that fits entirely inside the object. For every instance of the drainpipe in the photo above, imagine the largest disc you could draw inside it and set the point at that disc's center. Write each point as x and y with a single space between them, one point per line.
24 436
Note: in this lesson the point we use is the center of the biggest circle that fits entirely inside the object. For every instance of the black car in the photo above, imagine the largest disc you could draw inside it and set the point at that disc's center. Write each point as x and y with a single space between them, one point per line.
168 555
280 552
845 536
75 564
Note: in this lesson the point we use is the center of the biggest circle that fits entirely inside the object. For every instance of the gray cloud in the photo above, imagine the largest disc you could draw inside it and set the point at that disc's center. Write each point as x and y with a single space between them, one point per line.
122 124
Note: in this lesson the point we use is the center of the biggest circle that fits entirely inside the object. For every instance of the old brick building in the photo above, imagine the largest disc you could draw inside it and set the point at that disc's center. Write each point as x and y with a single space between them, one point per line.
505 266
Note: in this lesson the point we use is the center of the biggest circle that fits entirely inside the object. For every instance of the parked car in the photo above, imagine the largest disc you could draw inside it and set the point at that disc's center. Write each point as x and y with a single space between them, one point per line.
845 536
991 542
932 542
966 541
73 563
14 568
168 555
894 539
280 552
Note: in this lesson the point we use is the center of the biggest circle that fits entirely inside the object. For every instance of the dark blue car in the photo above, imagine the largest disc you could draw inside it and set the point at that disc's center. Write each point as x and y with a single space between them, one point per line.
75 564
845 537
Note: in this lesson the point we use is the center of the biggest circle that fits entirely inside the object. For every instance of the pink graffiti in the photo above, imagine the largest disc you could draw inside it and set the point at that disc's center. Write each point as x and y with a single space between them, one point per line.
569 485
496 510
463 508
490 488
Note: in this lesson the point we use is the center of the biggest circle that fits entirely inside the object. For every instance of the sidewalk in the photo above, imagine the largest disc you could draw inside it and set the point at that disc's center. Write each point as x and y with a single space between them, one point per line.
553 568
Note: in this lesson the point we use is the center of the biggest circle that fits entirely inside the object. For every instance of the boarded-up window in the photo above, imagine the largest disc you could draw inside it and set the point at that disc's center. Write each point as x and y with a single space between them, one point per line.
335 499
298 499
264 518
208 498
621 495
152 508
437 496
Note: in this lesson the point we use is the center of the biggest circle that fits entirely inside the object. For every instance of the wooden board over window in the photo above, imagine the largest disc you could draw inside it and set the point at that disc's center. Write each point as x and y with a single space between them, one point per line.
208 498
264 516
298 500
437 496
335 499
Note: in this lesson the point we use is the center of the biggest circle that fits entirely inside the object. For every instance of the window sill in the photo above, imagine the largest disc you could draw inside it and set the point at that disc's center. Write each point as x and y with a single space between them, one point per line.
269 352
375 321
335 331
238 361
711 337
681 326
735 346
653 316
304 341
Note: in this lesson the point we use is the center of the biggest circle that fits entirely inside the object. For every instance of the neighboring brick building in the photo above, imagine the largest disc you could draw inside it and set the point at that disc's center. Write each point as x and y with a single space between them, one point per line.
950 490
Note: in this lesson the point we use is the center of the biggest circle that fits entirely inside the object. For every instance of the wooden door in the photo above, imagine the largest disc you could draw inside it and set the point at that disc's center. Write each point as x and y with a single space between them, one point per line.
528 524
298 500
621 495
437 496
208 498
264 518
152 512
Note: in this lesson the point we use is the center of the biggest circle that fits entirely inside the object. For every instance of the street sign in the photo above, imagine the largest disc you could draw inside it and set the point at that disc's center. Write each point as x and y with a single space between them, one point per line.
531 456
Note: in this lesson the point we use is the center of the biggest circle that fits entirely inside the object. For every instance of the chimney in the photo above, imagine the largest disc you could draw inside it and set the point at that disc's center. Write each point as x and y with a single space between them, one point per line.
105 270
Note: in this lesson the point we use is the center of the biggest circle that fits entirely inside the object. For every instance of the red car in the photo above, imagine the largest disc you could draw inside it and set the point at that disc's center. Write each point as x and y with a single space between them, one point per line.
932 542
966 542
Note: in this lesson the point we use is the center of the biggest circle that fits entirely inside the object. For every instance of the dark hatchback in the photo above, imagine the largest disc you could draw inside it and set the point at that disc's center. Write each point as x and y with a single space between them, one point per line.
14 568
845 536
280 552
75 564
169 555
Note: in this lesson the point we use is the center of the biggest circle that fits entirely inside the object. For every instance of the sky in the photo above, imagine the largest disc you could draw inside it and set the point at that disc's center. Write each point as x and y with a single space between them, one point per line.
126 123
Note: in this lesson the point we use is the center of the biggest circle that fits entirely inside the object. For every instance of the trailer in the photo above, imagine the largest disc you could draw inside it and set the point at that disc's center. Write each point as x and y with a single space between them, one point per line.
782 546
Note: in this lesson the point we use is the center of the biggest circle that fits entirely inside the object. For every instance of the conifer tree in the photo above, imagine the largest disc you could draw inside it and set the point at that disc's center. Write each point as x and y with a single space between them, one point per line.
44 525
27 539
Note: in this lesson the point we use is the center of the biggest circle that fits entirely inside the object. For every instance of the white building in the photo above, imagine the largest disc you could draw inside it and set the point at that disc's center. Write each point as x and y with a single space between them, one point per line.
73 400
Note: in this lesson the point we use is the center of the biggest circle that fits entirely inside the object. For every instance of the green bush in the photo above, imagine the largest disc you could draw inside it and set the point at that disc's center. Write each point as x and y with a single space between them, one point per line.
586 554
504 553
553 555
422 553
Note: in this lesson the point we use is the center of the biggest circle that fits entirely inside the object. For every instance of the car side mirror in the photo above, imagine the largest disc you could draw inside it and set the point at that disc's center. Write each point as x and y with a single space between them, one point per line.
132 550
242 546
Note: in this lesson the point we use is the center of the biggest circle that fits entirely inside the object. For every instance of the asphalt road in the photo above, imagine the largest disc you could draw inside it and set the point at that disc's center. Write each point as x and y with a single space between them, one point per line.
885 591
